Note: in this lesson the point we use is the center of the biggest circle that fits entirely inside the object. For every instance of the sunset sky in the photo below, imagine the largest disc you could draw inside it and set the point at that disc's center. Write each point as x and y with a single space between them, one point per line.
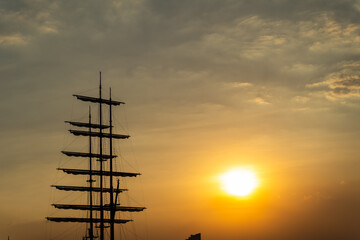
271 86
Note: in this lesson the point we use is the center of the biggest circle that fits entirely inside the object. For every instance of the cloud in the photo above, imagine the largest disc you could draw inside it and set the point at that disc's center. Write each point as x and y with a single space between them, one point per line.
260 101
12 40
342 84
300 99
239 84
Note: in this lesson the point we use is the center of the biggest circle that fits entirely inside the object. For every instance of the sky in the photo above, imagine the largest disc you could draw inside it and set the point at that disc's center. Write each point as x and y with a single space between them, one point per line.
272 86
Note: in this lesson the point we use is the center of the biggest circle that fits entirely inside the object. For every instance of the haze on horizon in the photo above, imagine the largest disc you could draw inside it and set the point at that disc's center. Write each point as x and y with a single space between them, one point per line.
210 86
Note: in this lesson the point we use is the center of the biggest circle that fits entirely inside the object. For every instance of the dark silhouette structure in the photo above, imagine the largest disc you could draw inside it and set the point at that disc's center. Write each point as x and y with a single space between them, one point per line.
195 237
100 132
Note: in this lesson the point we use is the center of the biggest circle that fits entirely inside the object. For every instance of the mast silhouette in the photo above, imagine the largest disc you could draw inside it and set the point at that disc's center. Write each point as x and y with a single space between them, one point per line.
91 229
112 207
101 167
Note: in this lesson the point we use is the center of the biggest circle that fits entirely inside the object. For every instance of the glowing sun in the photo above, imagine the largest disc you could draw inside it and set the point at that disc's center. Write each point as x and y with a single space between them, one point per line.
240 182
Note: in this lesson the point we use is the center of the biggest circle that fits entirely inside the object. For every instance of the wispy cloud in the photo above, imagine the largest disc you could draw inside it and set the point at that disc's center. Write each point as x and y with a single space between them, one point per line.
260 101
342 84
12 40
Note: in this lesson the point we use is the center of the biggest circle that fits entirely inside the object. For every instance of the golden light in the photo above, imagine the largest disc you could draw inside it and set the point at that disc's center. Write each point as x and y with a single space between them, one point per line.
239 182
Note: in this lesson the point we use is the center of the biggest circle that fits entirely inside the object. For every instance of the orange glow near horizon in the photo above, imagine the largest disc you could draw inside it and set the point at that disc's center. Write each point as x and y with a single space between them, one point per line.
239 182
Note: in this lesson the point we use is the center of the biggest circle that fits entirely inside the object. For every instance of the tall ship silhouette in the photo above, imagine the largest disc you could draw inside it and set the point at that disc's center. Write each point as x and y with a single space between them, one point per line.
103 202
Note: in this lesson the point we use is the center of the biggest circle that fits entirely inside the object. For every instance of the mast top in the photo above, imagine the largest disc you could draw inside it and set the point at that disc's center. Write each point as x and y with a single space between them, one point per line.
99 99
100 81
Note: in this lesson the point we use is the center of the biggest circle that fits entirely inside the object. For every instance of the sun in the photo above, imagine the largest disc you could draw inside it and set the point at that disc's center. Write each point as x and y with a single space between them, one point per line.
239 182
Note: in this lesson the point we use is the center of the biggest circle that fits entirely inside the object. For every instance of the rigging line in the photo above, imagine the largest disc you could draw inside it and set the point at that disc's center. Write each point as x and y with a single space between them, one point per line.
134 229
59 177
132 152
63 233
132 200
65 197
127 198
83 116
118 118
121 229
60 159
74 140
140 178
68 159
119 123
52 193
131 142
124 110
146 225
121 157
79 118
141 187
124 160
77 140
77 230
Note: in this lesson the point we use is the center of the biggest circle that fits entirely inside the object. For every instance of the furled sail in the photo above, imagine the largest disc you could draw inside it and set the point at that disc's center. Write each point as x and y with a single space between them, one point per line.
97 207
92 125
81 154
86 189
98 100
97 172
97 134
84 220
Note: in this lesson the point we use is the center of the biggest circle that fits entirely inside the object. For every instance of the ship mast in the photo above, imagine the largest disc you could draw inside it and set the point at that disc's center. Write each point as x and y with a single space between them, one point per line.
101 167
112 211
91 229
112 207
